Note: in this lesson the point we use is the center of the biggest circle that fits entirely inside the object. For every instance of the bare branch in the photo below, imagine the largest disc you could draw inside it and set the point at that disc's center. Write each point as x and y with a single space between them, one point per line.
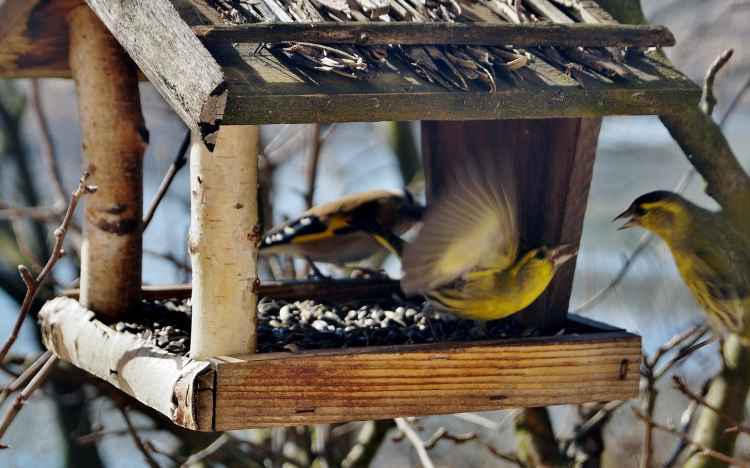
418 444
736 427
704 451
312 163
46 146
136 438
18 402
179 161
206 452
25 377
57 253
708 100
510 457
442 433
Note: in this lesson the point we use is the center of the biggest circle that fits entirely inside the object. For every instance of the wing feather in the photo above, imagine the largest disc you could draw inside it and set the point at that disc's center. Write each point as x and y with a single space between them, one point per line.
472 224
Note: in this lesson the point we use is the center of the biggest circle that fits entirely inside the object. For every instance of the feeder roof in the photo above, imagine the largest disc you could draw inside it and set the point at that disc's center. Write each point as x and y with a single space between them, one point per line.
326 61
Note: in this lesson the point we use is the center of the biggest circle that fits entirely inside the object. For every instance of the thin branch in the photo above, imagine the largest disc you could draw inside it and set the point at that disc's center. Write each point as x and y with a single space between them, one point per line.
45 214
488 423
708 100
735 101
46 146
418 444
25 377
704 450
312 163
442 433
736 427
136 438
206 452
33 284
593 422
18 402
179 161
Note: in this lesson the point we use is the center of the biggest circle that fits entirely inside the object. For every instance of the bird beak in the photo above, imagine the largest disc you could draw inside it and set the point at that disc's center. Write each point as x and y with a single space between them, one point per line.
557 257
633 221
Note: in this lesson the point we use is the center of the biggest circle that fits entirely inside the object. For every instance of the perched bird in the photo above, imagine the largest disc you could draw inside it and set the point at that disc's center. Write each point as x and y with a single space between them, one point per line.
348 229
467 259
712 256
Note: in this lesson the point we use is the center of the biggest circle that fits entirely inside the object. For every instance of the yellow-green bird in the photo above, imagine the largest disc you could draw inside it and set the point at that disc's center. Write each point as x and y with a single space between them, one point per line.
348 229
467 259
712 257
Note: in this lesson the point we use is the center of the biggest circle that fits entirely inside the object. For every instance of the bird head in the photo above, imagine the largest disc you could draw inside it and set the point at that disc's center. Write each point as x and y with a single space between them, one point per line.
656 211
546 259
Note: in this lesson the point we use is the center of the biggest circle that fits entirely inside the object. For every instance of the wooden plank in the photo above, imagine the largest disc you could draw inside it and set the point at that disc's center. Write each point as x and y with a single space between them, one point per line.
164 381
282 389
527 34
172 58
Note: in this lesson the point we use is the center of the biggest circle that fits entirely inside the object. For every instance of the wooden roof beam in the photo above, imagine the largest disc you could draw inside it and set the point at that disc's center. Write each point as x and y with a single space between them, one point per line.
521 35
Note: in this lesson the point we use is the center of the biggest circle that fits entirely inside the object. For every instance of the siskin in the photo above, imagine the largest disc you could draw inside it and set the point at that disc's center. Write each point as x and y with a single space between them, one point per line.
351 228
712 257
467 259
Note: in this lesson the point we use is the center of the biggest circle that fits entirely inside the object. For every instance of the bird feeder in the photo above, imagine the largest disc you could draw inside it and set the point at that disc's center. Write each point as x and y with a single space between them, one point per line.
213 73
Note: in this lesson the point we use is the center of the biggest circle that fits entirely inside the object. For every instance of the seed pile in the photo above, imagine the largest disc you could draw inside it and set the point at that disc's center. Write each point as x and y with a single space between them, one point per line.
449 66
308 325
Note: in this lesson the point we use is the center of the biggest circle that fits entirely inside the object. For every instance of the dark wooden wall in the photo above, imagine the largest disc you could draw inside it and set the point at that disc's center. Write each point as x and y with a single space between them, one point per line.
553 160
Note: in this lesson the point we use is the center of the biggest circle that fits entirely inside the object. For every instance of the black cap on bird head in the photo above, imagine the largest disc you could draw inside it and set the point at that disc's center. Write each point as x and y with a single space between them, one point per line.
636 209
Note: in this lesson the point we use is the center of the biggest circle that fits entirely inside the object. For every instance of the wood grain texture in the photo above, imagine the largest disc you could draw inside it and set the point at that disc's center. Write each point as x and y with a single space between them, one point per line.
553 163
164 381
172 58
526 34
347 288
282 389
113 140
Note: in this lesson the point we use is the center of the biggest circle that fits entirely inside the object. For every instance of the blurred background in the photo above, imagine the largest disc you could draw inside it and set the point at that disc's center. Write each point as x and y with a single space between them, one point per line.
635 155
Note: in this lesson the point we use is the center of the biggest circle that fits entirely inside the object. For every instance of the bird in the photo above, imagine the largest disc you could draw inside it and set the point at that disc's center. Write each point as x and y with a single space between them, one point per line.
468 259
712 256
348 229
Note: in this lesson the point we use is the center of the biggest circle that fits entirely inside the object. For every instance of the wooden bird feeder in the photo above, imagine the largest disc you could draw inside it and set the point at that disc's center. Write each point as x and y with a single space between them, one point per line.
545 120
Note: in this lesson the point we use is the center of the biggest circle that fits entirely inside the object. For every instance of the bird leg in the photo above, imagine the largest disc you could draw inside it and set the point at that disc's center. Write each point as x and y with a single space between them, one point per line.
316 271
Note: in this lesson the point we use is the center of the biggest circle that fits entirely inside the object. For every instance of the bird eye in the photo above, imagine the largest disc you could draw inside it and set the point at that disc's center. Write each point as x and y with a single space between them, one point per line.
639 211
540 255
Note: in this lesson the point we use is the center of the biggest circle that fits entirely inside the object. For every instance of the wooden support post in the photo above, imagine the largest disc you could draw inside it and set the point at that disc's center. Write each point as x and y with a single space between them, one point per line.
224 238
114 138
553 161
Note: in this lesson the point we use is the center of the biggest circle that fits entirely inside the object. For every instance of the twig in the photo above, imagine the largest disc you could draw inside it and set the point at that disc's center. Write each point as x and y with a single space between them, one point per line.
683 345
136 438
708 100
25 377
23 245
33 284
18 402
592 423
312 164
442 433
37 213
263 452
736 427
704 450
179 161
640 247
735 101
418 444
686 420
45 143
488 423
206 452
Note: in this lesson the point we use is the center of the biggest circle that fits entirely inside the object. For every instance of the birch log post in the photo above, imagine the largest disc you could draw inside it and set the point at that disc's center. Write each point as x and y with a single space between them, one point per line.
114 138
223 243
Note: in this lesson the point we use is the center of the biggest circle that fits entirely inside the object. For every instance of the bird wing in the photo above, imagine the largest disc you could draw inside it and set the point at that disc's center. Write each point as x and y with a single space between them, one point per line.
725 266
472 224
